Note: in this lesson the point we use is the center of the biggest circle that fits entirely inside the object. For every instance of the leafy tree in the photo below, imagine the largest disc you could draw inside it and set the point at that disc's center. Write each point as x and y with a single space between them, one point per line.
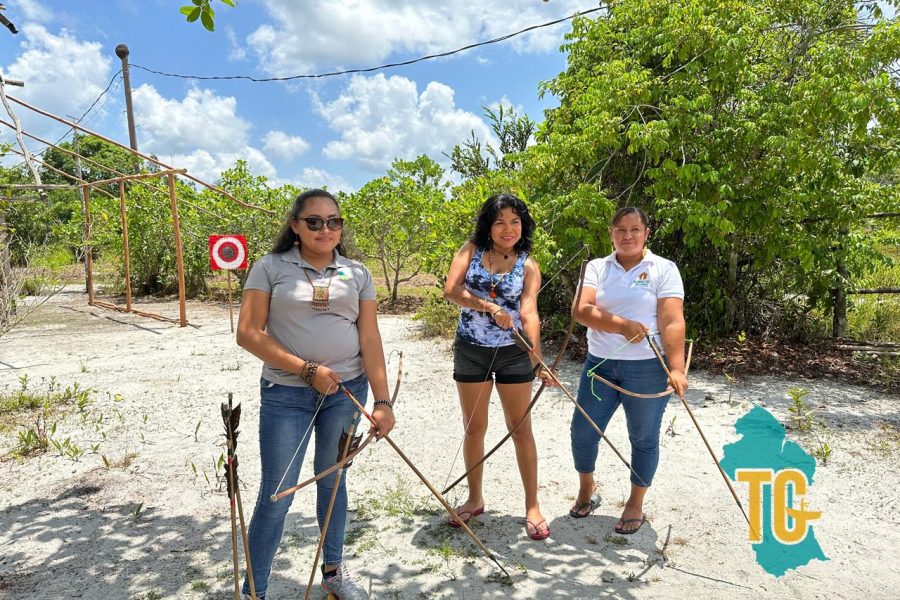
751 131
391 217
471 159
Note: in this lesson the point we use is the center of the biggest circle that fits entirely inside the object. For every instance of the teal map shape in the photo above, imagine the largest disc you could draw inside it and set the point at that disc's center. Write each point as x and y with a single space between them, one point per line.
763 446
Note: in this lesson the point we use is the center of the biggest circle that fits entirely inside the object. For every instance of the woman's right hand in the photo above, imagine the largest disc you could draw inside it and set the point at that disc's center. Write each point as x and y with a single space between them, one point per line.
634 331
326 381
502 318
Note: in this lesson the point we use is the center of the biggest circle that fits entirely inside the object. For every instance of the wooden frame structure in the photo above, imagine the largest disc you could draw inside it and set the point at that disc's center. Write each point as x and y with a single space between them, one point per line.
121 178
88 249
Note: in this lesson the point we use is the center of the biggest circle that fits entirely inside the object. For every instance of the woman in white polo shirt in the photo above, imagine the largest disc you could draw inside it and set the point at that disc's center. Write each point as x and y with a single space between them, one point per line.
310 315
628 295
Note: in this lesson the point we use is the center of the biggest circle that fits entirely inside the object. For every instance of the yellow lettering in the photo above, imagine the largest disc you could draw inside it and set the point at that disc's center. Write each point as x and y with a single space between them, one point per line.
755 478
784 533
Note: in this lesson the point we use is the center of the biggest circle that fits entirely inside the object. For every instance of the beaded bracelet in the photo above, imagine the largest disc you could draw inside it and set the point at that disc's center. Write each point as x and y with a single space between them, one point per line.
308 374
385 402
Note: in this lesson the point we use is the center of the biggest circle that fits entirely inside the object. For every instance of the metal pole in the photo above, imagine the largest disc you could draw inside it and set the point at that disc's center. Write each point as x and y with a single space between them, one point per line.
122 53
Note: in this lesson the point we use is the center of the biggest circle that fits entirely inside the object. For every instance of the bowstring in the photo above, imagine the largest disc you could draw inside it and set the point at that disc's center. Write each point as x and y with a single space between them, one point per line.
469 422
490 366
591 371
319 403
561 269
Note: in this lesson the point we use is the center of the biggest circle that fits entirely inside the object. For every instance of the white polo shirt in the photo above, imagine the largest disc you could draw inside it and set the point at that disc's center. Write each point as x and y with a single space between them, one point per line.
631 294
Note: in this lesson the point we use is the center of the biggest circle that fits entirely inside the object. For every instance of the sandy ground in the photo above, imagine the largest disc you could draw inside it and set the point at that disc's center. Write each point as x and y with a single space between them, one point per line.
156 525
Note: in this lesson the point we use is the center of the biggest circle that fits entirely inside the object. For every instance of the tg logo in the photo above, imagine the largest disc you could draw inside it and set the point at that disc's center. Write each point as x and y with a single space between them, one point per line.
782 508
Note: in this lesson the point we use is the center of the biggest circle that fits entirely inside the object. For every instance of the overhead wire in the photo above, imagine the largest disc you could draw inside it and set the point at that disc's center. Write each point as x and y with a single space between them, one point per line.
382 67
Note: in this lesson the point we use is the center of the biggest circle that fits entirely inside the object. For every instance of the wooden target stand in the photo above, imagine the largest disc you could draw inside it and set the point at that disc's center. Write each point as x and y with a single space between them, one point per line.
176 228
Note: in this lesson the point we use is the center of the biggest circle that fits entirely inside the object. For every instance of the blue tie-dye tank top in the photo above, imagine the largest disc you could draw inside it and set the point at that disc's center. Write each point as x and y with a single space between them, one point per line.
479 328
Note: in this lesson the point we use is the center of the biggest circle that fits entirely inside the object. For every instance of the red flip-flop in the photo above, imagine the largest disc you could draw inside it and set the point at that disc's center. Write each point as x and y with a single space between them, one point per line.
472 513
538 534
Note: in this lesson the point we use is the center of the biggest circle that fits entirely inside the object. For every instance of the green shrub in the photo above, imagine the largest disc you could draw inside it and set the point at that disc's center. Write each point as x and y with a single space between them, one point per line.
438 318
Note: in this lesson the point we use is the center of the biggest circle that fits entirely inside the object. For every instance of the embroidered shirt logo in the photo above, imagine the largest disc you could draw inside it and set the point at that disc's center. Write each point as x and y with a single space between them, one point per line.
642 280
344 274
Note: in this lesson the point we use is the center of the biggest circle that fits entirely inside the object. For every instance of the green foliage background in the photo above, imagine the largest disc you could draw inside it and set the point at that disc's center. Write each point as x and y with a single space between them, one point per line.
758 135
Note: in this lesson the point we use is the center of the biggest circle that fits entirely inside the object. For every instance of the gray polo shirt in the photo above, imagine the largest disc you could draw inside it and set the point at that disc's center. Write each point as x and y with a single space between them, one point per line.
330 337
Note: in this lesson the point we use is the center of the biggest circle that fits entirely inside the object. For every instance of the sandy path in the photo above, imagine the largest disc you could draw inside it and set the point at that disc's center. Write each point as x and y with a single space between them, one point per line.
156 529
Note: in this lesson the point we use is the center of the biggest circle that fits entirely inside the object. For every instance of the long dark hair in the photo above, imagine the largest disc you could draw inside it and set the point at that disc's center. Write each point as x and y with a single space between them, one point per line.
287 237
492 207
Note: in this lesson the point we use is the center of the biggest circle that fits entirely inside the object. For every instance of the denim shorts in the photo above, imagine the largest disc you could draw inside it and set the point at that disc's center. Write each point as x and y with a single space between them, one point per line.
476 364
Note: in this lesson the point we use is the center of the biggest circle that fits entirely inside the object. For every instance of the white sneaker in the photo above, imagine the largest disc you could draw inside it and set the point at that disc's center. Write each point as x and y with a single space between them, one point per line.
344 586
249 597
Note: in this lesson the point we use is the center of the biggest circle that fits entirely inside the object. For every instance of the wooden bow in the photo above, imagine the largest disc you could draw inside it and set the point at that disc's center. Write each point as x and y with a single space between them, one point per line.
346 459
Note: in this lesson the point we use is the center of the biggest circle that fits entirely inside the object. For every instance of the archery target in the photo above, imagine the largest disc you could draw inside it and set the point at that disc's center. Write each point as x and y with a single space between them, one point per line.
227 252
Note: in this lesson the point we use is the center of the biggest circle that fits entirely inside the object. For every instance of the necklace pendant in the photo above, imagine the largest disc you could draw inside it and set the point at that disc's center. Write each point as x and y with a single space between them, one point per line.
320 298
492 294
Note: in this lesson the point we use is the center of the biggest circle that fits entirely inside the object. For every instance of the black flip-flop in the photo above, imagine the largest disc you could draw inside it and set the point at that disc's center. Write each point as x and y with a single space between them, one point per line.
621 531
591 505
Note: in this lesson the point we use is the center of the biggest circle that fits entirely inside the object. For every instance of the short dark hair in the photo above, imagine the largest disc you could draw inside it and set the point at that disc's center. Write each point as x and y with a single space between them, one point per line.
492 207
287 237
629 210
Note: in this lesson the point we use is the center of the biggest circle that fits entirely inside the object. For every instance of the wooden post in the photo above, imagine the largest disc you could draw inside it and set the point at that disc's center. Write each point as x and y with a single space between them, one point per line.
125 241
88 250
230 307
179 257
7 296
839 294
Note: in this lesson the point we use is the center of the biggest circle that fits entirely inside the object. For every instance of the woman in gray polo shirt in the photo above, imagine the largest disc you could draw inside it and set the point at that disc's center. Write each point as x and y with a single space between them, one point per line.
310 314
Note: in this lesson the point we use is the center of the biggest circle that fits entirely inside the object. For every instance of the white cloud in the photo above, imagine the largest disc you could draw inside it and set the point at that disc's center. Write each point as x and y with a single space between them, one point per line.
285 146
62 75
208 166
32 10
237 52
381 118
313 177
201 121
308 35
202 132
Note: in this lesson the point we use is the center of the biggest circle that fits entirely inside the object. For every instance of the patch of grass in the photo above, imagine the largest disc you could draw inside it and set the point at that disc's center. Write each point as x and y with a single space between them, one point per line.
498 577
397 501
886 440
46 394
823 452
357 532
618 540
876 316
200 586
34 440
121 463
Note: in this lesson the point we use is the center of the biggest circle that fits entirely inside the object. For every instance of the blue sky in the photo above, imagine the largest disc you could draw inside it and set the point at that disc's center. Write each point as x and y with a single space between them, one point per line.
340 132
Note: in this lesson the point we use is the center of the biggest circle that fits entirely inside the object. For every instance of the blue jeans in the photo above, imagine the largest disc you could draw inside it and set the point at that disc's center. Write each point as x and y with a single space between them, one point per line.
642 415
285 414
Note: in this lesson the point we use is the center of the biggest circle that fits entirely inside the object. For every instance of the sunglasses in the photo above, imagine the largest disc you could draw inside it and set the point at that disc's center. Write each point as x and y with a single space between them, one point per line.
316 223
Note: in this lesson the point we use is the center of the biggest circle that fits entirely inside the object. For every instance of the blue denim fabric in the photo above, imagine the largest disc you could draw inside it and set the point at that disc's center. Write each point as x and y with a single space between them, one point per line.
642 415
285 413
